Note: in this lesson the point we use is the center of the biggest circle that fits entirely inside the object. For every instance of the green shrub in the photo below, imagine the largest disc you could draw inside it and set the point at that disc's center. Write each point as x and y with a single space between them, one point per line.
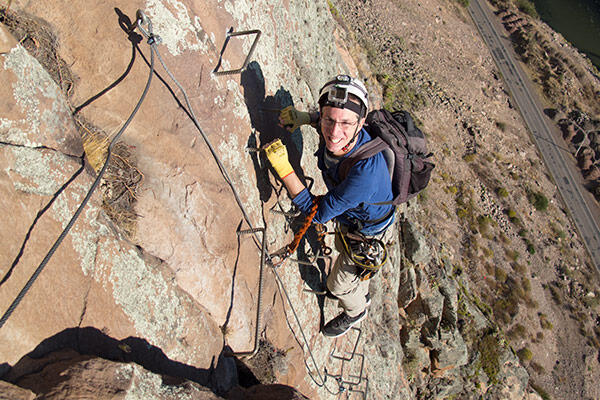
530 247
397 89
488 348
483 222
528 8
500 275
531 303
518 268
526 285
560 234
538 200
487 252
469 157
556 294
525 355
522 232
334 11
543 394
591 301
502 192
506 301
544 323
538 368
512 254
517 332
511 213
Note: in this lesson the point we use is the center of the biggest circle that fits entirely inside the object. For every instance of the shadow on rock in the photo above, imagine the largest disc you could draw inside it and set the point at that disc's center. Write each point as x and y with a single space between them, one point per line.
220 377
264 117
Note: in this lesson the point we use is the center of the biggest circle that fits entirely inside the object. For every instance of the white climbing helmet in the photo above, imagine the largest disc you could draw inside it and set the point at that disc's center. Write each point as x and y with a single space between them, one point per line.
335 94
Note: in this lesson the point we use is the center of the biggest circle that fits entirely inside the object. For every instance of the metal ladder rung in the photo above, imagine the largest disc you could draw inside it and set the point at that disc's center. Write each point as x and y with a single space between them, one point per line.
229 35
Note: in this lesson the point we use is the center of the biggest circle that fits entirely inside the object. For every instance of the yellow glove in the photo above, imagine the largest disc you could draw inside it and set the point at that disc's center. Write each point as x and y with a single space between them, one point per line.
278 157
291 118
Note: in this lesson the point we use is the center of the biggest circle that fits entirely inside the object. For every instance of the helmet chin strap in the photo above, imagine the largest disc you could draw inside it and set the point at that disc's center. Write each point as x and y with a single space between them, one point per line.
346 147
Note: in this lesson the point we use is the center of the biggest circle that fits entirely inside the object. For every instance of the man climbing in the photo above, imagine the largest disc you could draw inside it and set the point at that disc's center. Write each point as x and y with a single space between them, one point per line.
353 203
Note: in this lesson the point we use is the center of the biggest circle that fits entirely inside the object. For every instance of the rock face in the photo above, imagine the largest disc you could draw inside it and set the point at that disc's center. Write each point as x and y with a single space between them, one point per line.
153 313
67 374
439 331
183 282
95 278
12 392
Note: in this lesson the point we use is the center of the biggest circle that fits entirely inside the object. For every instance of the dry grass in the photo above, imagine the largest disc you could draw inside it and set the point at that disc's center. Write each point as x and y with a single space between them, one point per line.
37 38
121 179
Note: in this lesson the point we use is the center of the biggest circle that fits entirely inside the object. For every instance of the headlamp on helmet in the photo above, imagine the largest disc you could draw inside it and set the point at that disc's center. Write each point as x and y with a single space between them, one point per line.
335 94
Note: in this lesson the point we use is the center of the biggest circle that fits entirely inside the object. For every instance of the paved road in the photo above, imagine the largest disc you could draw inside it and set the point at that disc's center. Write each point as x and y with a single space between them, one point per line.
557 158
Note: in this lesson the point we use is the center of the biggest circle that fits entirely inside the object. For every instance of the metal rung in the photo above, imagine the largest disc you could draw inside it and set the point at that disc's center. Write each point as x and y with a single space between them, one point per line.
229 35
353 352
250 231
312 261
254 350
292 214
350 385
363 392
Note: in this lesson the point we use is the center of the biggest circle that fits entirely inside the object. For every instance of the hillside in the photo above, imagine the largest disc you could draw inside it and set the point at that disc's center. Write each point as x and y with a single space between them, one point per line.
522 258
489 291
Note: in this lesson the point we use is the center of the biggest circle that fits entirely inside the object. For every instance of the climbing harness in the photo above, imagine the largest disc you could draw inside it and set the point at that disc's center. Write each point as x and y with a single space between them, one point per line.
369 254
321 233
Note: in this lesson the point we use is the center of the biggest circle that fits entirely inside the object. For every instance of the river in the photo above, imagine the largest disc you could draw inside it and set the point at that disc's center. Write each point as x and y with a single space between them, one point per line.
577 20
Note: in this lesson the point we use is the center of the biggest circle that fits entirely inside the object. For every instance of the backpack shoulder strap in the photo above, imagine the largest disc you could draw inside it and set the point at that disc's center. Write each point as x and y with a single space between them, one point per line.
367 150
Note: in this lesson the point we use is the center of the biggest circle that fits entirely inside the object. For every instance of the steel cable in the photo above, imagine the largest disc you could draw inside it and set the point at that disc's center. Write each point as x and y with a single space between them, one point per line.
241 206
210 147
66 230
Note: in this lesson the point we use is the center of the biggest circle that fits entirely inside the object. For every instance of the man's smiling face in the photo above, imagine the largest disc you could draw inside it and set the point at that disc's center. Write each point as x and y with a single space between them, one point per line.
338 127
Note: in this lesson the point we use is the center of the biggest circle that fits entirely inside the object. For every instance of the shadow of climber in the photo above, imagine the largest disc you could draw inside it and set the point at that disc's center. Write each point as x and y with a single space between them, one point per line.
264 117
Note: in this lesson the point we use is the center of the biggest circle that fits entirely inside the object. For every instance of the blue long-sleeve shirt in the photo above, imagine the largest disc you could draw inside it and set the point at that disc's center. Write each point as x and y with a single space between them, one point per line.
350 200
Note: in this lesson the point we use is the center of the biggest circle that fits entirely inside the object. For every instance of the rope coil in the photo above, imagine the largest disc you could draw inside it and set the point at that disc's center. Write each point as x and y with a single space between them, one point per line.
367 253
293 246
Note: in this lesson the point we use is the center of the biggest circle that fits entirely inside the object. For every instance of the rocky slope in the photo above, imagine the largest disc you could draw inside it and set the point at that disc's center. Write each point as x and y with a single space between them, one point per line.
520 253
154 278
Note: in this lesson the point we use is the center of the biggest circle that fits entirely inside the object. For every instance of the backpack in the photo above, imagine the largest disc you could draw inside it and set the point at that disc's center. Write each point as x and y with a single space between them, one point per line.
405 151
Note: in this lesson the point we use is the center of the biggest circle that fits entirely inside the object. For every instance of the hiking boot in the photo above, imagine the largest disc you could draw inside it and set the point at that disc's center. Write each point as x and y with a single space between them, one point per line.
368 299
340 324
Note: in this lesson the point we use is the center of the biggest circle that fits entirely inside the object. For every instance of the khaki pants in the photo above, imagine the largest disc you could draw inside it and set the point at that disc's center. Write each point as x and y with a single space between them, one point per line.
344 283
